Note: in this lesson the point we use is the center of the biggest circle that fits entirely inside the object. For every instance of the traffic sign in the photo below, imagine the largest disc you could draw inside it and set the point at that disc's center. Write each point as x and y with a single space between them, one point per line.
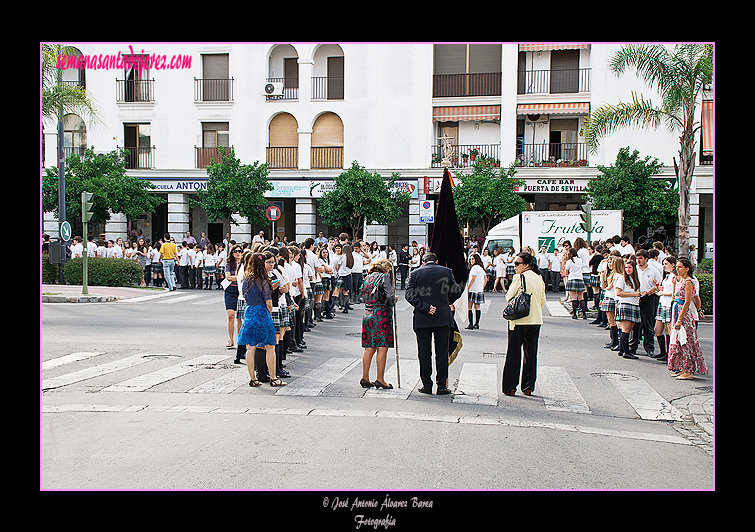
65 231
273 213
427 211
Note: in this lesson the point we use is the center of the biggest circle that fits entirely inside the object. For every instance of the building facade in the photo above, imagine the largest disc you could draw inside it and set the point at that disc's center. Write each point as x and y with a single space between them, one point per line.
309 110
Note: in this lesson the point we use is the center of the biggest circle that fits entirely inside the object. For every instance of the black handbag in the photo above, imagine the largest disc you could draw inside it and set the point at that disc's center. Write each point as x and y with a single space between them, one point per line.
519 306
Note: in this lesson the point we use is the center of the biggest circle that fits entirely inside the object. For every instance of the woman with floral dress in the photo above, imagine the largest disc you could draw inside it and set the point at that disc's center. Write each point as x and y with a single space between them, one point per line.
377 323
686 358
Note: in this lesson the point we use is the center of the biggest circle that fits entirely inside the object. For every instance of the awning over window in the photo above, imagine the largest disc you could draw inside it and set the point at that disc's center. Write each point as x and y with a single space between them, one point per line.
467 113
546 47
707 122
580 108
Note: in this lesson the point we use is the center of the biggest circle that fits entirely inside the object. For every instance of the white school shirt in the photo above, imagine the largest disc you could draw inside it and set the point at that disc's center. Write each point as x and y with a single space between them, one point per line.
101 251
647 276
209 259
77 250
155 255
584 255
668 286
333 261
611 290
293 272
307 275
117 251
555 262
199 259
311 259
574 268
486 260
91 249
621 283
542 261
321 263
359 259
478 285
341 267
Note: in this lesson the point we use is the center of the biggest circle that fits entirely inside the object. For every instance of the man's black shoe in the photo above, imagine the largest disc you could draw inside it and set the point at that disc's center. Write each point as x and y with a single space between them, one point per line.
443 391
426 389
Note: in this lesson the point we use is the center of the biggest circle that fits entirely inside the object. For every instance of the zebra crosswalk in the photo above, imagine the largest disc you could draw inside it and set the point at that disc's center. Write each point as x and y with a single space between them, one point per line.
478 383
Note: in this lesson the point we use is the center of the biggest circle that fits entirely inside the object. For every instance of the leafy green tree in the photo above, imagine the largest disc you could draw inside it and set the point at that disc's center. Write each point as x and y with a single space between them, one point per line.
105 176
70 98
234 188
679 75
486 195
629 185
360 196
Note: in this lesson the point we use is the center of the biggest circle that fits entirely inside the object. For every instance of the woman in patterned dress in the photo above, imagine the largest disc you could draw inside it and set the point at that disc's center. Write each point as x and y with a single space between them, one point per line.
377 323
688 358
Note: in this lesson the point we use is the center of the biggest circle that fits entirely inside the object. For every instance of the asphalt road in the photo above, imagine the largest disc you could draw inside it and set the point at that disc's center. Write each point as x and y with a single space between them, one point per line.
133 407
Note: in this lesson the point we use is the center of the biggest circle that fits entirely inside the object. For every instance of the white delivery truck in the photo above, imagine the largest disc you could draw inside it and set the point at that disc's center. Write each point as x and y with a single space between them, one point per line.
551 228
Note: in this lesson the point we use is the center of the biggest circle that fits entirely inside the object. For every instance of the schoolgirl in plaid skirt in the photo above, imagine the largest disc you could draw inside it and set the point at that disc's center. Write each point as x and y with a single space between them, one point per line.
627 286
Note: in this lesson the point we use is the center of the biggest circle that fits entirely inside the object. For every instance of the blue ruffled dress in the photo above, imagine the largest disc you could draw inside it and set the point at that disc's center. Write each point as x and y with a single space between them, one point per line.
257 328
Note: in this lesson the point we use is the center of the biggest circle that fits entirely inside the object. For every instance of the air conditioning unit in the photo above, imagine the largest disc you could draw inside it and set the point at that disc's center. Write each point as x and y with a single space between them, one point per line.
273 88
537 118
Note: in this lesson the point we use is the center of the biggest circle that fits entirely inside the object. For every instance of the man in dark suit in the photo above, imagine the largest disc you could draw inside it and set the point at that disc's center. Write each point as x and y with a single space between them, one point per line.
430 290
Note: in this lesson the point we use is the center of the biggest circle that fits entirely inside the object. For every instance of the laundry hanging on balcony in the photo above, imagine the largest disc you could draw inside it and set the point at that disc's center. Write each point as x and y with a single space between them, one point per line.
472 113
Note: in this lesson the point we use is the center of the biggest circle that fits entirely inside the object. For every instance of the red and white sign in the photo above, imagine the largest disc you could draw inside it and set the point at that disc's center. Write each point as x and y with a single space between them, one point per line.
273 213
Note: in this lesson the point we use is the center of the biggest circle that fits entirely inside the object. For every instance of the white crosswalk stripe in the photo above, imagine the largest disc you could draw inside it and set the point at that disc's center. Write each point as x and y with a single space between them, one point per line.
643 398
68 359
144 382
314 383
96 371
558 390
181 299
477 384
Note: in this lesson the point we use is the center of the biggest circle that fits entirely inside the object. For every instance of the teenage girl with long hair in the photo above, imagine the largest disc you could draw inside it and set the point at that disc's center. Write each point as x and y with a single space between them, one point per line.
257 328
627 286
343 268
663 312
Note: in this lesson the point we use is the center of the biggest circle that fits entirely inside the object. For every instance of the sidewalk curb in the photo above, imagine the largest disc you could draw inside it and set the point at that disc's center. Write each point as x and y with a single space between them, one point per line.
77 299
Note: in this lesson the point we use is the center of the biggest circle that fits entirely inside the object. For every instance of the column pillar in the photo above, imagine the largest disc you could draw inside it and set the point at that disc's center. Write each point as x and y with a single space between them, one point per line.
178 215
306 219
116 226
241 232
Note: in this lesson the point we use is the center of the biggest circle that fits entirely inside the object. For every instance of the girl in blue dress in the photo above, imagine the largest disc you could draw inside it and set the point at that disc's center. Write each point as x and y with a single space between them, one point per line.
257 329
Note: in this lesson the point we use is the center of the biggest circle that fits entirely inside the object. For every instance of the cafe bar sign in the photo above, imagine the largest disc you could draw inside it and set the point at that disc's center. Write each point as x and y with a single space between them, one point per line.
553 186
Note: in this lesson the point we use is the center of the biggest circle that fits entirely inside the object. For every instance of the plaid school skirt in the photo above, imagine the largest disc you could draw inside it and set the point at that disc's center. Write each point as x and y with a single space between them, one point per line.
209 270
608 304
627 312
275 314
284 313
318 289
510 268
595 280
575 285
476 297
587 279
157 267
663 314
326 284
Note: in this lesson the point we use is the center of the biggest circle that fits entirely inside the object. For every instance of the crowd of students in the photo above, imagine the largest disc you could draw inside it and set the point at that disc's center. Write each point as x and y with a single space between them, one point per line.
639 295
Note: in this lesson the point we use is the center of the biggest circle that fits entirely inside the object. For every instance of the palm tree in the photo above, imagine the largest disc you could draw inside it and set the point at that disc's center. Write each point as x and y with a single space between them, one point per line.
679 76
59 99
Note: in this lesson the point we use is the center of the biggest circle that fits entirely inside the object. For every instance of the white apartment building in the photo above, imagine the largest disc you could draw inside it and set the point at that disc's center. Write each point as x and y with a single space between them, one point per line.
309 110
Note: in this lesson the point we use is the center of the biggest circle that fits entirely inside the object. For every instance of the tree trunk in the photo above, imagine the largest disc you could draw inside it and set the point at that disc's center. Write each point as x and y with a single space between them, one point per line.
684 180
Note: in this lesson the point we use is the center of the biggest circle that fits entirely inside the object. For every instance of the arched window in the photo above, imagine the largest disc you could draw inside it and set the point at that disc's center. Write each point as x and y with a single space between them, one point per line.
327 141
283 146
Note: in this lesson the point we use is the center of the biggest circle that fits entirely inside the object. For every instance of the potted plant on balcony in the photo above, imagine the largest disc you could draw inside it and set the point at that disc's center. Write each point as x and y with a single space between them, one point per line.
473 154
464 157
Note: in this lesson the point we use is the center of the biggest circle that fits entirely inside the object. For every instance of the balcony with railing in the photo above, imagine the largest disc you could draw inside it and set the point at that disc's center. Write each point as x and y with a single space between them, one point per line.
481 84
134 90
204 156
550 154
326 157
282 157
139 158
290 89
327 88
553 81
465 155
213 90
